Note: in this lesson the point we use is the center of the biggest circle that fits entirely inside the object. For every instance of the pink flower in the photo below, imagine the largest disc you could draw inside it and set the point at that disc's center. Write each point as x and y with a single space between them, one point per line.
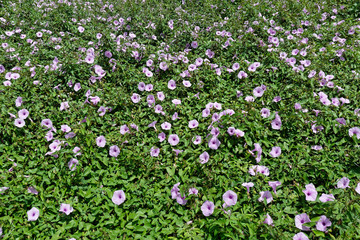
300 236
343 183
275 152
354 131
118 197
72 164
114 151
300 220
193 124
214 143
171 84
207 208
265 195
19 122
310 192
154 152
64 106
326 197
265 112
323 223
204 157
173 139
357 189
248 185
100 141
274 185
66 208
33 214
268 220
23 113
230 198
258 92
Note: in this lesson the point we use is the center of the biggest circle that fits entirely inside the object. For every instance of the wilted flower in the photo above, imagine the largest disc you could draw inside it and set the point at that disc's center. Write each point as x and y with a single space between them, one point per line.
193 191
72 164
257 149
118 197
32 190
207 208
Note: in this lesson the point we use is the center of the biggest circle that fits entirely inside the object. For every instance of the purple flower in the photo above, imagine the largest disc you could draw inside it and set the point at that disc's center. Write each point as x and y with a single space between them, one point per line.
77 87
176 102
310 192
357 189
249 98
326 197
316 147
72 164
300 220
193 124
207 208
265 112
124 129
166 126
274 184
257 149
341 121
356 131
259 169
65 128
47 123
23 113
149 87
33 214
275 152
160 96
268 220
323 223
174 116
18 102
100 141
66 208
230 198
135 98
248 185
204 157
173 139
175 191
118 197
141 86
171 84
265 195
231 131
300 236
19 122
277 99
258 92
214 143
297 106
193 191
154 152
343 183
32 190
276 123
197 140
161 136
205 112
114 151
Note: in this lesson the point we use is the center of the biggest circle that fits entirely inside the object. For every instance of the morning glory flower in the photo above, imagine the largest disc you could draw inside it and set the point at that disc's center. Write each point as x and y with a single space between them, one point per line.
274 184
323 223
214 143
357 189
33 214
193 124
248 185
275 152
300 236
265 195
310 192
118 197
100 141
326 197
207 208
114 151
300 220
354 131
173 139
19 122
23 113
230 198
204 157
66 208
343 183
268 220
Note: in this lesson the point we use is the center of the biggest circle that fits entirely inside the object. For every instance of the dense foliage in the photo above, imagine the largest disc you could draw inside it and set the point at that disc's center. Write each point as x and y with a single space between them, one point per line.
179 119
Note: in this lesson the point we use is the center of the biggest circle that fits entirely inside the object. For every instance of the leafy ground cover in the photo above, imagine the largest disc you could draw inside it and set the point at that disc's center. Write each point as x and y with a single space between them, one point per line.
179 119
